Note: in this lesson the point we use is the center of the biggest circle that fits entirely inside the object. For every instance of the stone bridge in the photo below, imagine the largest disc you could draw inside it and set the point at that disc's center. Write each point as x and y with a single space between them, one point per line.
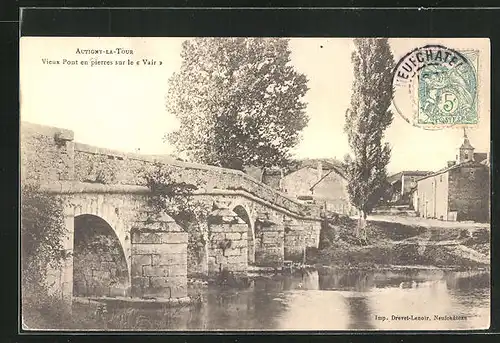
251 223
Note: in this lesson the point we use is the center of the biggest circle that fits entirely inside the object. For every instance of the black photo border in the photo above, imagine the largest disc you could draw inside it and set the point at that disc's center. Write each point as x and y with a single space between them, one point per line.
284 21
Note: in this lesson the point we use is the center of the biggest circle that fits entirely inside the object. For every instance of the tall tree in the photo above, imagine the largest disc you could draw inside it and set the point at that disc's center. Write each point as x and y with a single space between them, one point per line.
238 100
366 121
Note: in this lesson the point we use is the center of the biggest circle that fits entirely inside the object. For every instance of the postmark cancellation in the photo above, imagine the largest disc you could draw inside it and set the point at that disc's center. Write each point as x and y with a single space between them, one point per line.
436 87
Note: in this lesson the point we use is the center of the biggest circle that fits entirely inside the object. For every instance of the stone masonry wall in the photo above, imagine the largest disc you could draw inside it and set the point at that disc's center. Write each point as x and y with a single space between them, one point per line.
94 275
311 232
469 193
43 157
159 267
130 169
294 242
269 244
227 243
50 154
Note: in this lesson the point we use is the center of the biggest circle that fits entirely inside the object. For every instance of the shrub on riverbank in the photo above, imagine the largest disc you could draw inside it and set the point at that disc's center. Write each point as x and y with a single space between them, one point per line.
42 227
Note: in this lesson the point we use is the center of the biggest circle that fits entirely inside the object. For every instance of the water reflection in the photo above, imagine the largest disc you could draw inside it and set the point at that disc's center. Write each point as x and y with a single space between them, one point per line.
360 315
345 300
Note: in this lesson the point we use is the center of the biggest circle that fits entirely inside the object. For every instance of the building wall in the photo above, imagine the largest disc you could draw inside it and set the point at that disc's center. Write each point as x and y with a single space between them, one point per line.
459 194
409 181
442 194
432 194
331 192
469 193
425 195
255 172
414 199
272 178
396 191
334 188
299 182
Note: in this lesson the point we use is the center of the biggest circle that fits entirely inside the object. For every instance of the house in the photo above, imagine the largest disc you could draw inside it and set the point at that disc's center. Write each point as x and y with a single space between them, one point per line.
460 191
402 183
320 181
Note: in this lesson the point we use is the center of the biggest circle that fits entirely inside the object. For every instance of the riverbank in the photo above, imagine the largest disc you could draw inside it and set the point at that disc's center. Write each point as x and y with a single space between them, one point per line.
396 243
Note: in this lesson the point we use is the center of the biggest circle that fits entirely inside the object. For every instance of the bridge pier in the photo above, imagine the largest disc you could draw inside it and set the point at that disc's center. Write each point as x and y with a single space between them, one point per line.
269 241
295 244
227 242
159 259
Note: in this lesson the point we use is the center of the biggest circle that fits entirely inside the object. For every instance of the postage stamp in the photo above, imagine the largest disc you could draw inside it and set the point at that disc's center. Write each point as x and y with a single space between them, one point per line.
437 87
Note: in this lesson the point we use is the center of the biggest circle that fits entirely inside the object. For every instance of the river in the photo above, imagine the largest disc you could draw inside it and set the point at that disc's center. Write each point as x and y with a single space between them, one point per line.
339 300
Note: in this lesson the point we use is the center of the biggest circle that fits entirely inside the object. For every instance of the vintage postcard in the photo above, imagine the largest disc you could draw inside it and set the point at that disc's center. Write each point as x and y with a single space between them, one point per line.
255 184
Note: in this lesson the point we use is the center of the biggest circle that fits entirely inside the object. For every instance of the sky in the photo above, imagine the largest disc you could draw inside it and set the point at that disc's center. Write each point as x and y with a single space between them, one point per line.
122 107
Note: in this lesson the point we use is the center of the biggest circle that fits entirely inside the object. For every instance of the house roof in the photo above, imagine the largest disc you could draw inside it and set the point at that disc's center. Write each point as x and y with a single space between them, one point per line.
480 156
455 166
326 163
466 144
396 177
334 169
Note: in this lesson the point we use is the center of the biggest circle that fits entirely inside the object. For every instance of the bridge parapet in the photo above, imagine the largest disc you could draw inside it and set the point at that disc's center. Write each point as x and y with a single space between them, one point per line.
54 156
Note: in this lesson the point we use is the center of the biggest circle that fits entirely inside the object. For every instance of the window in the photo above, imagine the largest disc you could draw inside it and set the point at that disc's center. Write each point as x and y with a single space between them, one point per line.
441 178
472 173
466 155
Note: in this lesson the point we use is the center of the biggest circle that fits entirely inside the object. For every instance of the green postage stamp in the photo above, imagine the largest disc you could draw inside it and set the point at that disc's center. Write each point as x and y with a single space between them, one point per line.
440 87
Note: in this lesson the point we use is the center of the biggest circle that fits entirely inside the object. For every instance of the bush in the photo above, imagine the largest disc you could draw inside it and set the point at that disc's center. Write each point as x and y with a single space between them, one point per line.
42 228
175 199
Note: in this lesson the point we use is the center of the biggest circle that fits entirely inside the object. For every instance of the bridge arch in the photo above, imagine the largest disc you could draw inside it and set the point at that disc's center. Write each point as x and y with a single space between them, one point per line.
243 213
99 263
108 207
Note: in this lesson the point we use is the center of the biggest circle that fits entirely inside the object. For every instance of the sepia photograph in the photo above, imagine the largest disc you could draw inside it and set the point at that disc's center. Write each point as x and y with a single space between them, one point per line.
254 184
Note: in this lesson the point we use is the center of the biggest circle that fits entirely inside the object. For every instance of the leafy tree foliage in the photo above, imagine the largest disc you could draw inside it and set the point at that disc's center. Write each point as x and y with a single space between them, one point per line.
238 100
172 197
175 199
366 121
42 227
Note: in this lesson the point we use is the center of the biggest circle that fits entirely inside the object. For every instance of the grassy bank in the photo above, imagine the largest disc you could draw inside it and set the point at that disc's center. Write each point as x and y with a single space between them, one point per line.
397 244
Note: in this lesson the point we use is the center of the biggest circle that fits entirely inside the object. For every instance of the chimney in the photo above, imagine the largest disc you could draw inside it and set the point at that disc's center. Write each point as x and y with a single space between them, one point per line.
451 163
320 170
272 177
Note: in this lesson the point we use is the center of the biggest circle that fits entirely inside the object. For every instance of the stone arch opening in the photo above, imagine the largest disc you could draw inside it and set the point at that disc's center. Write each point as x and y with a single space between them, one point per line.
243 214
99 263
